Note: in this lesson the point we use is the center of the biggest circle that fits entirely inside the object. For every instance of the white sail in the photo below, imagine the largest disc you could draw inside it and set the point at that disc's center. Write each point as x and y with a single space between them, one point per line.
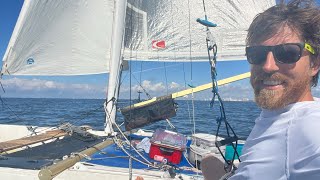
172 24
116 63
74 37
70 37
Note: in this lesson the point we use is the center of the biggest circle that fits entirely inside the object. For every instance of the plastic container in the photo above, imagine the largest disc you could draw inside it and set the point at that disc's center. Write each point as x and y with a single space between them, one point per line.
201 145
167 144
230 151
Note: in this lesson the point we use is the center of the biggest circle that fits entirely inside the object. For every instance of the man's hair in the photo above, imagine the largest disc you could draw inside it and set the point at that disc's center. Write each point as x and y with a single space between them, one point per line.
302 16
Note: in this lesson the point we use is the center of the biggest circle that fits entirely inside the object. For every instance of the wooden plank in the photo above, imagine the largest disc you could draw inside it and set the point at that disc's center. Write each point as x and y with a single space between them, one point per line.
25 141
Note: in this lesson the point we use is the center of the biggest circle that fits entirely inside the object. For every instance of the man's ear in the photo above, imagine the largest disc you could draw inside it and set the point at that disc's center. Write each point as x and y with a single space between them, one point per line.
315 66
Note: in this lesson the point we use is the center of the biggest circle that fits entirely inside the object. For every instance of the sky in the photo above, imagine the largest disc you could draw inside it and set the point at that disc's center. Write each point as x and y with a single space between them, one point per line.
157 78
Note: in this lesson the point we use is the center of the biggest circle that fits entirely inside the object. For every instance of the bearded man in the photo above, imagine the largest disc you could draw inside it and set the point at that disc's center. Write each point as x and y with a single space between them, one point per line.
283 46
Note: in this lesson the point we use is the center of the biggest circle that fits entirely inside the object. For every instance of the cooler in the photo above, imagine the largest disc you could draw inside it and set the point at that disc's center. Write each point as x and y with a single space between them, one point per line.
167 144
230 151
201 145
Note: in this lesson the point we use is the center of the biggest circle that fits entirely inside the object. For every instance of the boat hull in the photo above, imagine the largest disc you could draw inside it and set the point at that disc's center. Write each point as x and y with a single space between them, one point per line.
81 170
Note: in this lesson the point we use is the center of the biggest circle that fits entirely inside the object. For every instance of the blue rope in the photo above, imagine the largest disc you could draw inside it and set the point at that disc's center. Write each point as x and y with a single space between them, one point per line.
212 54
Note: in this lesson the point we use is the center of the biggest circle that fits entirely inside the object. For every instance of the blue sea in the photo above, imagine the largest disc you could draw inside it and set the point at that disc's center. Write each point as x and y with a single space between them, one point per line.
52 112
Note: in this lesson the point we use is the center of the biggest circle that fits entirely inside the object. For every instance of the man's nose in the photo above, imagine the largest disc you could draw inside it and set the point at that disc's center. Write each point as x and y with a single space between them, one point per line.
270 64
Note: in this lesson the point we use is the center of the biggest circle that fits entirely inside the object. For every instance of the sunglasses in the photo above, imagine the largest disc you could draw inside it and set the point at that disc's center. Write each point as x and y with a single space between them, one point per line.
288 53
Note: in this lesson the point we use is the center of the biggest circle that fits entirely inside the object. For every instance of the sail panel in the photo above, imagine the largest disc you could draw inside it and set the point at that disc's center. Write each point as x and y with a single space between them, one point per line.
166 30
74 37
61 38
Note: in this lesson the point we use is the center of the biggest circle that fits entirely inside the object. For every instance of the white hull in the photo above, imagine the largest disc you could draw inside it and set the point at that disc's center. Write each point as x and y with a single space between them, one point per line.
85 173
80 171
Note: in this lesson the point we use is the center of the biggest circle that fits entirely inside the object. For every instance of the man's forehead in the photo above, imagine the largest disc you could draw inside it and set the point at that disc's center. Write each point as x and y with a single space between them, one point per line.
284 34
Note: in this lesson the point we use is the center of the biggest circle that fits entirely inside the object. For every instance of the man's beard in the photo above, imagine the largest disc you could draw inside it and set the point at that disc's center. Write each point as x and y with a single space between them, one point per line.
290 92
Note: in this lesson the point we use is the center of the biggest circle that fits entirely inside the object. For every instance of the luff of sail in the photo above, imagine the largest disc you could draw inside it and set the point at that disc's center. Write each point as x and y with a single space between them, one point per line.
115 63
61 38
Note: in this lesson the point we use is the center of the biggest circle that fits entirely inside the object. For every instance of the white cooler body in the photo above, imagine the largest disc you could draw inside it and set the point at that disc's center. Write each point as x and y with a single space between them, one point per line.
201 145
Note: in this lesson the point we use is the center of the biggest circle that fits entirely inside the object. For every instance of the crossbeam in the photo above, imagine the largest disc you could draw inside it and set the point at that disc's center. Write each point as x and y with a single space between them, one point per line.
48 173
197 89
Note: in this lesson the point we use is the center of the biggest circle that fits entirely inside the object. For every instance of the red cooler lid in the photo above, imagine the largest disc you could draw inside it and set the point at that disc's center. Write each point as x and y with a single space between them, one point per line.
169 138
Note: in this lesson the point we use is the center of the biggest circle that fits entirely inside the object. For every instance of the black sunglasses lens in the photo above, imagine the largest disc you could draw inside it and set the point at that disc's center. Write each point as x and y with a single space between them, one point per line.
256 54
287 53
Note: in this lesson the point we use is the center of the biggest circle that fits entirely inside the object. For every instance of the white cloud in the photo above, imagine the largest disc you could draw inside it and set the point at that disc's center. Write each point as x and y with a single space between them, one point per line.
149 86
174 85
19 87
239 90
152 88
50 84
26 84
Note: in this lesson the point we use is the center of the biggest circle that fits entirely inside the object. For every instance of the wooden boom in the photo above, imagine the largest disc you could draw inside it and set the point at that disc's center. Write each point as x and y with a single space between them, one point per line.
198 89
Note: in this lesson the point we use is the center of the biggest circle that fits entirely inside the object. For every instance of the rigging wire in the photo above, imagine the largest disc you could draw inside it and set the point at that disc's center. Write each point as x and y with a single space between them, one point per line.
165 75
2 85
130 85
192 118
144 90
128 140
140 81
4 104
139 16
211 46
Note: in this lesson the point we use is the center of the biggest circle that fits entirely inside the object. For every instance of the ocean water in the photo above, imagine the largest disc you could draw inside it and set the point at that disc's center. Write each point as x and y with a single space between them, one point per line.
52 112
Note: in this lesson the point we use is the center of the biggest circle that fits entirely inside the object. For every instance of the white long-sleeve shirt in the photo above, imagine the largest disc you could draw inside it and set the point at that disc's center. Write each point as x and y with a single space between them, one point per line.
283 144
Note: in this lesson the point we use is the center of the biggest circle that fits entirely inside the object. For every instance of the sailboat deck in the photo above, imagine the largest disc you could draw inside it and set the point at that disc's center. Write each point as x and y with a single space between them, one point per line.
25 141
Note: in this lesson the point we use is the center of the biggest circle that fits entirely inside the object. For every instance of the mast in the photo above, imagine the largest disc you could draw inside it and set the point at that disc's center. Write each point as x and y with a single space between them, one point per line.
115 63
139 95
